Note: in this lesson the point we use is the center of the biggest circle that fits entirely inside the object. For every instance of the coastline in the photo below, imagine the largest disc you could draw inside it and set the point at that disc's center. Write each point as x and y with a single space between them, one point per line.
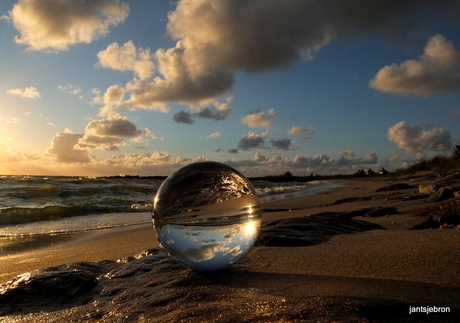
116 243
357 276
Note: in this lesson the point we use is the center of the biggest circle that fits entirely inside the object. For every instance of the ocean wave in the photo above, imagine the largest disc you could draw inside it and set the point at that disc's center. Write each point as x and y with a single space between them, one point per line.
18 215
75 224
265 188
29 199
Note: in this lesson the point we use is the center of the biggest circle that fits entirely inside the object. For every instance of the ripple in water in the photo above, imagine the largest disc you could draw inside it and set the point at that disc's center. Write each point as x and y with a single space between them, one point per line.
206 216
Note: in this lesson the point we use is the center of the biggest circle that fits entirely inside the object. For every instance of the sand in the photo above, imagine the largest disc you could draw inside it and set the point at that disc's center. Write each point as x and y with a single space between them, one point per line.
418 267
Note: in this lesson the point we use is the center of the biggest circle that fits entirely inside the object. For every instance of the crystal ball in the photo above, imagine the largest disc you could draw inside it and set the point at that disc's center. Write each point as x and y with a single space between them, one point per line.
206 216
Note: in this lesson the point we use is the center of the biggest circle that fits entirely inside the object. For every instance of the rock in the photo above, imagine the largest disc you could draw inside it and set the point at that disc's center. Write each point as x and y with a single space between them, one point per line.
311 230
382 211
53 287
428 189
443 212
442 194
395 187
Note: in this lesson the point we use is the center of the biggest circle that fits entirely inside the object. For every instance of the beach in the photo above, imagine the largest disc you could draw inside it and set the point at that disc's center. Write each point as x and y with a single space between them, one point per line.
374 274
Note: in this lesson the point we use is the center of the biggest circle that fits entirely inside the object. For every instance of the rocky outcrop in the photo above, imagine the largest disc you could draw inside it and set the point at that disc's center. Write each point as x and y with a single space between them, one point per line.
428 189
311 230
446 212
442 194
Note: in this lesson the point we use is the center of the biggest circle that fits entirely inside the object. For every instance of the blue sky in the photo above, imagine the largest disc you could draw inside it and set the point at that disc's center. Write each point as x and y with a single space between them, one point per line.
144 87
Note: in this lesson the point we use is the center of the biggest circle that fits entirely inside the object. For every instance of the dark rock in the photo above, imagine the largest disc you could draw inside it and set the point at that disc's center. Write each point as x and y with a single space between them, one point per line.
355 213
443 212
382 211
441 194
306 231
395 187
54 287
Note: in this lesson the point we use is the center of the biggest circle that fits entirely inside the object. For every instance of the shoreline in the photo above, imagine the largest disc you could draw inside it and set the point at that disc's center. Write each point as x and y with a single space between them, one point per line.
47 250
101 244
360 276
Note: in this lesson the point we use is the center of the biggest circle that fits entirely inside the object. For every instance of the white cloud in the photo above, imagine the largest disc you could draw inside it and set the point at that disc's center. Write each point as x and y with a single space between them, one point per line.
56 24
214 135
180 83
260 119
115 125
295 131
419 139
112 99
71 89
347 154
10 120
215 39
127 58
149 133
371 158
437 71
64 149
29 92
108 133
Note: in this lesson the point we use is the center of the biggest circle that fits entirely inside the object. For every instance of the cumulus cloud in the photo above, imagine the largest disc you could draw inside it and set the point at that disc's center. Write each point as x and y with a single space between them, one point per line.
108 133
259 119
348 154
127 58
149 133
283 144
348 158
372 158
419 139
113 126
56 24
233 151
180 82
217 112
214 135
437 71
112 99
183 116
215 39
29 92
64 148
297 131
252 140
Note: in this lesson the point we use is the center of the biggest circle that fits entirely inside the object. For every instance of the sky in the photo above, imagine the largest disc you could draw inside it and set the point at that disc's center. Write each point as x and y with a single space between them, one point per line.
108 87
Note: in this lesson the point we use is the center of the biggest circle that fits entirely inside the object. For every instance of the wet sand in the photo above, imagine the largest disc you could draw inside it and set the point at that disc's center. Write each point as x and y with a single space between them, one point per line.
418 267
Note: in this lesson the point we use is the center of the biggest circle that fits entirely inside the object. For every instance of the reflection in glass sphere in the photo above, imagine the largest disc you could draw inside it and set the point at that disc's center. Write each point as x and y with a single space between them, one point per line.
206 216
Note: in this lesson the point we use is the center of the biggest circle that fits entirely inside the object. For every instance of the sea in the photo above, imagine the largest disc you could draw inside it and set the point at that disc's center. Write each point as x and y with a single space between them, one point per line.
32 206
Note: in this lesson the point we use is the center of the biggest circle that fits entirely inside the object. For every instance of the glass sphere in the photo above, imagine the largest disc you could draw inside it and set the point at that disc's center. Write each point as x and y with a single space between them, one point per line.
206 216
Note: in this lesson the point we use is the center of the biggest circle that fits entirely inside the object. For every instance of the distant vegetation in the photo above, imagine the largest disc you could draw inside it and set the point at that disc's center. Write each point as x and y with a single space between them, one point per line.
440 164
